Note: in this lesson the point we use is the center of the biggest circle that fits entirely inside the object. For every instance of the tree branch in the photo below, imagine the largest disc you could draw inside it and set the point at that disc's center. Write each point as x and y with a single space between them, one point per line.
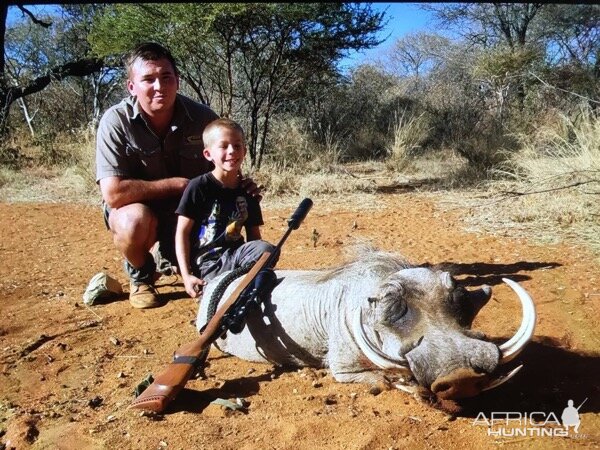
78 68
542 191
563 90
33 18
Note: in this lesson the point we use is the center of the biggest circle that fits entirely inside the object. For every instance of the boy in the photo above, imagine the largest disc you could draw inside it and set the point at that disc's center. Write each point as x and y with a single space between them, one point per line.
214 209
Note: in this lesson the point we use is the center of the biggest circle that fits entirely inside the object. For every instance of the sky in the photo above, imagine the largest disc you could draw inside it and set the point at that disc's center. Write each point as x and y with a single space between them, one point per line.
403 18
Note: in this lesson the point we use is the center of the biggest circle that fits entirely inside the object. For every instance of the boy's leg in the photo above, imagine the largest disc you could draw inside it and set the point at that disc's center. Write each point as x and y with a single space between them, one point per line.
249 252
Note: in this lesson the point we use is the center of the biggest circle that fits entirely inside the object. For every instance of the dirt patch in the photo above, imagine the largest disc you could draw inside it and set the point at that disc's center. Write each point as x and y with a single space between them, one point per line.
67 372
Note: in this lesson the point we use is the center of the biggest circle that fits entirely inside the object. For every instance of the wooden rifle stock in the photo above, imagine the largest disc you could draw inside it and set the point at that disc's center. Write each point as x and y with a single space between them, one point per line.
174 377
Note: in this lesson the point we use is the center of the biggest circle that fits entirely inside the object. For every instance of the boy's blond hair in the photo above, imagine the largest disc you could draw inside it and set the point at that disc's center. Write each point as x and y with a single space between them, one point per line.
219 124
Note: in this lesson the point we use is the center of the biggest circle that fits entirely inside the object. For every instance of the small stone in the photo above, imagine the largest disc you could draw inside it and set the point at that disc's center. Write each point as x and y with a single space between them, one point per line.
242 402
375 390
329 400
114 340
251 370
95 402
111 418
120 375
316 384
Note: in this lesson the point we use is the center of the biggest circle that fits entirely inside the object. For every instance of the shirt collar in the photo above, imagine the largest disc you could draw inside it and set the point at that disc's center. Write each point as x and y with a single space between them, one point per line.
180 115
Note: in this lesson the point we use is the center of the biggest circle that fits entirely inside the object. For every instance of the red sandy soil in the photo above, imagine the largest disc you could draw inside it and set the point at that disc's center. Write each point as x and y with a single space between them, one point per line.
67 371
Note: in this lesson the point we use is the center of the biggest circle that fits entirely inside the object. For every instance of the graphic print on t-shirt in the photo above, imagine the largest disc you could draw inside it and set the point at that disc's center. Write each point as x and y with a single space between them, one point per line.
224 225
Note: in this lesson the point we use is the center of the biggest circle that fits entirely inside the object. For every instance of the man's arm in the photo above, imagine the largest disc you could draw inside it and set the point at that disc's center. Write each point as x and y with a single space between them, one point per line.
250 187
117 191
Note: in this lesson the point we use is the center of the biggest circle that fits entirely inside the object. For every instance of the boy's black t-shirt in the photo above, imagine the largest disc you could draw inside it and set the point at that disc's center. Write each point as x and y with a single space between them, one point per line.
219 214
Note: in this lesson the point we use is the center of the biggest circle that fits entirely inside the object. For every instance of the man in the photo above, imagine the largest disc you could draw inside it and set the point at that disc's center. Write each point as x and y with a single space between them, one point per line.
148 147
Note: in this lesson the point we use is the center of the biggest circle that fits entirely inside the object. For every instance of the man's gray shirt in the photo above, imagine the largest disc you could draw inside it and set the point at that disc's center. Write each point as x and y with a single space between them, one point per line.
126 146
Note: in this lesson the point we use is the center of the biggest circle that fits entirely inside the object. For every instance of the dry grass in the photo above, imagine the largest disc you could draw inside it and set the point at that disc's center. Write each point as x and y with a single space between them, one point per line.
60 170
555 160
408 135
551 188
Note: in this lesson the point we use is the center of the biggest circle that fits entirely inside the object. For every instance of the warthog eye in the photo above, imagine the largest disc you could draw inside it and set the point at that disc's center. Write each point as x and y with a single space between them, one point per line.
396 311
458 295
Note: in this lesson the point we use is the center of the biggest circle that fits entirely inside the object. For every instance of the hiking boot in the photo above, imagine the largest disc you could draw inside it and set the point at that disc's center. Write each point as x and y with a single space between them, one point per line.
143 295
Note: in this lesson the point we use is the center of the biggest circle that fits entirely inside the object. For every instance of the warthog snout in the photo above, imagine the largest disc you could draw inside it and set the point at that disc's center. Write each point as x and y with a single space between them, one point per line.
460 383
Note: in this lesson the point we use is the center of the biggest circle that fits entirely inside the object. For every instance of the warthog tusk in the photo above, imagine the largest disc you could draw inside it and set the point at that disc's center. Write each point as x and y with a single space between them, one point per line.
511 348
502 379
374 355
410 390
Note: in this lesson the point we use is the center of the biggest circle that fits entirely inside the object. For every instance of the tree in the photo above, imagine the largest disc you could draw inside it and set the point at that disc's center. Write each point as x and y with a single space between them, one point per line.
573 48
246 60
11 90
492 25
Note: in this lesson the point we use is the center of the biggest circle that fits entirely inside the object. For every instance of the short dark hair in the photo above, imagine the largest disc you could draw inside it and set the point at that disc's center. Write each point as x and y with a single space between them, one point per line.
148 51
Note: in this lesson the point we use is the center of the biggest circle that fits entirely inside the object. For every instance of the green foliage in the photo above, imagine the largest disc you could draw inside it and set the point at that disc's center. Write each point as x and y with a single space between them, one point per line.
503 63
244 59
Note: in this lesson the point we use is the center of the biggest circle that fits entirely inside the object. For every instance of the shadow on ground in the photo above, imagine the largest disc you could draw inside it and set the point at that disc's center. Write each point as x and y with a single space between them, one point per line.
476 274
551 376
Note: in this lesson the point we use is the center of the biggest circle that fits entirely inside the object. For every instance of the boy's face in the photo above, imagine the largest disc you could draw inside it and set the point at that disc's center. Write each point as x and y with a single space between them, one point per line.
226 149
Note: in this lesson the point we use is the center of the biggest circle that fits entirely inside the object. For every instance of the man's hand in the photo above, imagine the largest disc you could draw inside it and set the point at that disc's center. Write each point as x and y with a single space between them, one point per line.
251 187
193 285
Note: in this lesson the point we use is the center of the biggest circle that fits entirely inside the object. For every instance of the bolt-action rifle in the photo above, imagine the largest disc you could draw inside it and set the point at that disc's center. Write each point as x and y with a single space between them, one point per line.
229 317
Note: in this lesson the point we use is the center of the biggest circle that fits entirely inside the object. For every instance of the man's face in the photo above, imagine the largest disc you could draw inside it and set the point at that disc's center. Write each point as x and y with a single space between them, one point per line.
155 85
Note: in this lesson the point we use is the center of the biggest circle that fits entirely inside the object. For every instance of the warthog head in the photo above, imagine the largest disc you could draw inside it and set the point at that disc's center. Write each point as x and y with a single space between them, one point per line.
419 323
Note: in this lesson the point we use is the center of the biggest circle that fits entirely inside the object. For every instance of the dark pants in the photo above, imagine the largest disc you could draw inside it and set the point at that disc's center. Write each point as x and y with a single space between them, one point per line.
249 252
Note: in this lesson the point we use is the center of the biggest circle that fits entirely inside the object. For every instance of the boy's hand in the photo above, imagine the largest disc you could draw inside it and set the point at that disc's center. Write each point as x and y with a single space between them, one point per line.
193 285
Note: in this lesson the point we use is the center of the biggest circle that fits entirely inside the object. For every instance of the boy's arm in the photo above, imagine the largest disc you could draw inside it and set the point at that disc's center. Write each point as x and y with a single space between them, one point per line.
193 285
253 233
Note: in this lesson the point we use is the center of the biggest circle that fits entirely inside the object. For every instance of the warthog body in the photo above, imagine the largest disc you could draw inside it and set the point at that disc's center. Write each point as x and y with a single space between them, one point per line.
376 320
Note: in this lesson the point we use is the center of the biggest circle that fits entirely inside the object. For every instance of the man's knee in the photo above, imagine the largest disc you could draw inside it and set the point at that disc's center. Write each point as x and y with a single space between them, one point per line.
133 222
